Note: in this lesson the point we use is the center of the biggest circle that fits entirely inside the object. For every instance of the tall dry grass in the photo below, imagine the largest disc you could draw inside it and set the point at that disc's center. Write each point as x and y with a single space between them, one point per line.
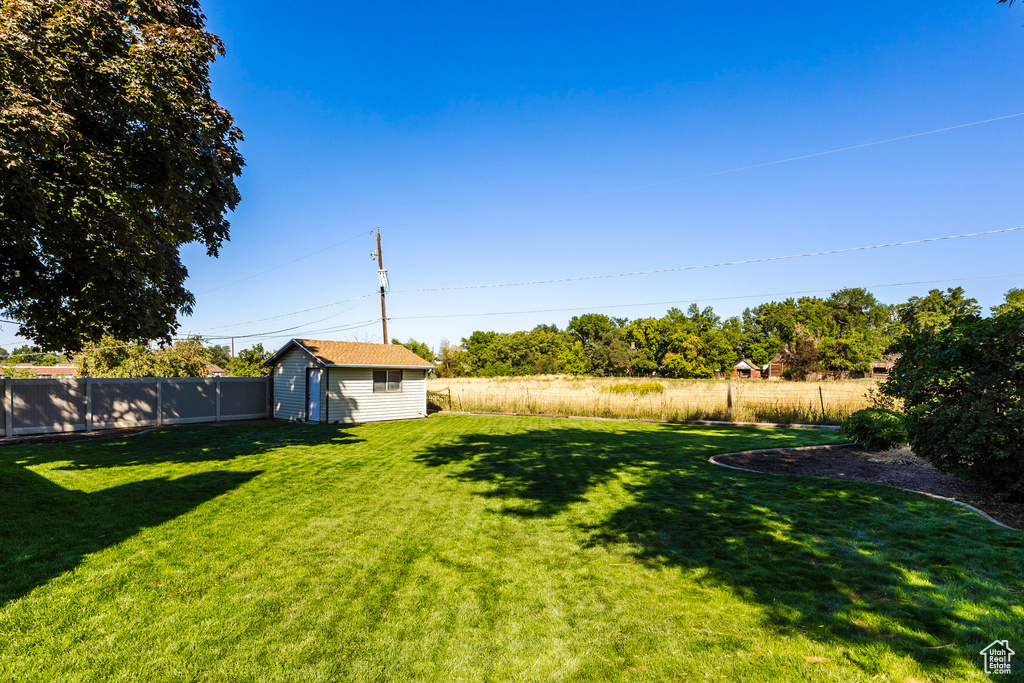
753 400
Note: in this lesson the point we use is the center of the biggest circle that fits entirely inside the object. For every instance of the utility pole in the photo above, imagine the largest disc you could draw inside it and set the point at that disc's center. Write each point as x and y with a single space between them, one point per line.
232 348
382 276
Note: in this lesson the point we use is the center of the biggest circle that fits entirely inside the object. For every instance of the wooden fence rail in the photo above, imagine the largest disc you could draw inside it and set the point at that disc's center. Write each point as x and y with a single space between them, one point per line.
41 406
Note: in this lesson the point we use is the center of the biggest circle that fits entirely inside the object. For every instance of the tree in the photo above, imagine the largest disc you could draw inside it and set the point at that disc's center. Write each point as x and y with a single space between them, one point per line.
763 351
806 354
113 154
961 389
572 359
608 355
1014 301
186 358
115 358
220 354
419 348
589 326
35 355
937 309
249 362
452 358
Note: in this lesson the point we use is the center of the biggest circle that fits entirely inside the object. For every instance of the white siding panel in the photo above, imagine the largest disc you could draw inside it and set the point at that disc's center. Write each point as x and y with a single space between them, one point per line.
352 398
290 385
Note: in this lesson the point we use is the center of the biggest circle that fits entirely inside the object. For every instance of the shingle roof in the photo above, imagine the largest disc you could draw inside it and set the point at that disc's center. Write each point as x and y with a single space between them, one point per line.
361 354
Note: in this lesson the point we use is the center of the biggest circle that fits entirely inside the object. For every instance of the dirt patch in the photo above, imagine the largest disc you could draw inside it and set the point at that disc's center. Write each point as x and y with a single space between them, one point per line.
899 468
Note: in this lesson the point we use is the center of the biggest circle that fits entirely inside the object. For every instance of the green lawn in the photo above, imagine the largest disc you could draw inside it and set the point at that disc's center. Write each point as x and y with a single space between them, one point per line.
483 548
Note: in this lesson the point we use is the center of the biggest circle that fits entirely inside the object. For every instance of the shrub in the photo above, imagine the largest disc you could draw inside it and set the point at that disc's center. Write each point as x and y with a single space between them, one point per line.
876 429
962 394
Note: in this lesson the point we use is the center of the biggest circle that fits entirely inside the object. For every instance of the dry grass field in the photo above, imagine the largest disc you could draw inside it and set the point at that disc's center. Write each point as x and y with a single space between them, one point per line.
668 399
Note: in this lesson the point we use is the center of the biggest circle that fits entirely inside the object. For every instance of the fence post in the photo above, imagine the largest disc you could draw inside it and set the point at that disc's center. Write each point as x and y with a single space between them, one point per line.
159 403
88 404
217 385
9 404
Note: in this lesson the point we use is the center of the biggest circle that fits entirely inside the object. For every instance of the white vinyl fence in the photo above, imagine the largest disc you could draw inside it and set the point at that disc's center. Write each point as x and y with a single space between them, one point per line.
41 406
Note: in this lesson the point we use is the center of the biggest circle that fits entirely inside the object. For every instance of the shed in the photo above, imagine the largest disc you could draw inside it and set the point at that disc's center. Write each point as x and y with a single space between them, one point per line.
746 369
347 382
880 369
778 364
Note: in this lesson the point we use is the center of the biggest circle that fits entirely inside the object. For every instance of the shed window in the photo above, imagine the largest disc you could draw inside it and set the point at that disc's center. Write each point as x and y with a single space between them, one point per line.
387 381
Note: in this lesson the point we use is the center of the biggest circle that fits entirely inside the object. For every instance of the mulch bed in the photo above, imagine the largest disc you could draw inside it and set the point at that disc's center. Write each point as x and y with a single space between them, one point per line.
900 468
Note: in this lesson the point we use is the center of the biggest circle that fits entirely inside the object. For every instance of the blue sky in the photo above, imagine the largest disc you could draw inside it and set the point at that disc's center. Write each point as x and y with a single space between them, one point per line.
489 142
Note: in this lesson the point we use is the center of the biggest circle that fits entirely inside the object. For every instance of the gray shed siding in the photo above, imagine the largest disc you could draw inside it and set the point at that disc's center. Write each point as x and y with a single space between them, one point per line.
290 385
352 398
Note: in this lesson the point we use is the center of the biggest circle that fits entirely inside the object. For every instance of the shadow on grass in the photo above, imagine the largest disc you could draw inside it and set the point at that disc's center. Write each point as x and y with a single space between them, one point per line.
842 562
47 529
182 444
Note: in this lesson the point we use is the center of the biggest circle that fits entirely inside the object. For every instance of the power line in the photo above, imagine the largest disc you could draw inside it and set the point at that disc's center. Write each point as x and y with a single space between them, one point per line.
705 300
287 315
766 259
288 263
191 335
278 333
286 329
712 174
274 333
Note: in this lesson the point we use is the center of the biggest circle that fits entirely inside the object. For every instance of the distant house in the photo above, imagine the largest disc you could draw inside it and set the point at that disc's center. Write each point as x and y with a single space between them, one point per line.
48 371
347 382
214 370
880 369
779 363
746 369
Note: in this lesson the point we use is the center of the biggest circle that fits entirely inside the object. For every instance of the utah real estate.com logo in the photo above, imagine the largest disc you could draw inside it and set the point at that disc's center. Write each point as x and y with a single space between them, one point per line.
997 657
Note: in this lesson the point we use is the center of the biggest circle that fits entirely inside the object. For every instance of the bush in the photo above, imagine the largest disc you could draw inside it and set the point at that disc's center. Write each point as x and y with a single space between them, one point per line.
962 395
876 429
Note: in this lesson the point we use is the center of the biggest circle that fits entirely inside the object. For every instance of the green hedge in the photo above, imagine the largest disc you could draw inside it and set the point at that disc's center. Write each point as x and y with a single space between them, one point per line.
876 429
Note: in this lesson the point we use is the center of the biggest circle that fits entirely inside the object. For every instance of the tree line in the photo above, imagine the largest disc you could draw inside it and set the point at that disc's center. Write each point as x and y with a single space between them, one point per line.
837 335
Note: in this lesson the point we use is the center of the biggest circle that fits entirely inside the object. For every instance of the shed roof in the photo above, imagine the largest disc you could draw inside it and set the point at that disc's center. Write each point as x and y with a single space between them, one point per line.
356 354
